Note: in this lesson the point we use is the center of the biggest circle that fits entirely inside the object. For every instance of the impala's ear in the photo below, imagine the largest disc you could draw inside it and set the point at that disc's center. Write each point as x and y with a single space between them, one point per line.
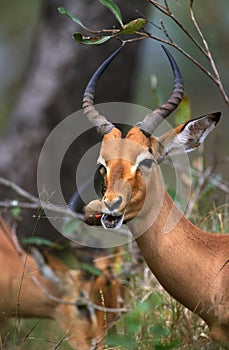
187 137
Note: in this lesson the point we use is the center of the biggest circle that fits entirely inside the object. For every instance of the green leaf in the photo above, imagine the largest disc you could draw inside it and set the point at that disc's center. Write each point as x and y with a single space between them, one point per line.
71 226
133 26
90 40
64 11
114 9
91 269
124 341
41 241
16 212
159 331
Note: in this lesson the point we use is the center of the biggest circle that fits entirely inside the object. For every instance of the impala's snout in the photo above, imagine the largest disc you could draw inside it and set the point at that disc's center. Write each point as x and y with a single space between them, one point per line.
114 204
112 217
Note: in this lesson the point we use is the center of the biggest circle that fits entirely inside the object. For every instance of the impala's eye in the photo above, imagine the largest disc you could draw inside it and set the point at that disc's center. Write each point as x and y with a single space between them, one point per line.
148 162
102 170
103 189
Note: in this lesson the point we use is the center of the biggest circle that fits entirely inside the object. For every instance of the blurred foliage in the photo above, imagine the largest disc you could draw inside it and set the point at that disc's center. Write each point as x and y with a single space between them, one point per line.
40 241
17 24
156 321
32 335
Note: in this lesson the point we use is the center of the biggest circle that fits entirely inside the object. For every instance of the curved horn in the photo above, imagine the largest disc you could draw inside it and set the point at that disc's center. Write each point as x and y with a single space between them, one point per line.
102 125
152 120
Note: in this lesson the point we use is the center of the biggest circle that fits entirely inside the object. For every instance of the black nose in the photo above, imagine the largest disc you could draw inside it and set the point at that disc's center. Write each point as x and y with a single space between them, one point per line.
114 204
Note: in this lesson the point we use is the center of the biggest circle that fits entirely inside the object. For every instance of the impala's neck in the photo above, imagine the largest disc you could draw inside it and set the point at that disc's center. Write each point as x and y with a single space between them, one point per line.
174 248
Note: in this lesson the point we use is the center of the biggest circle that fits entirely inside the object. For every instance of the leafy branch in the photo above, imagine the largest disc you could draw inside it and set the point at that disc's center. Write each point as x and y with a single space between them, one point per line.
133 27
135 30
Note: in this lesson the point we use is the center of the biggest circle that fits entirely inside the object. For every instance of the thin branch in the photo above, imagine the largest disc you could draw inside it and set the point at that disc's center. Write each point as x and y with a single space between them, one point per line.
141 37
178 48
215 77
165 31
20 191
169 13
64 212
10 204
209 55
34 202
167 7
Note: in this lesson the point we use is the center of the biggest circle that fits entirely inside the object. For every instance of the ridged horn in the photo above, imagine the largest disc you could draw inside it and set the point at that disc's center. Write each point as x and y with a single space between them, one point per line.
152 120
102 125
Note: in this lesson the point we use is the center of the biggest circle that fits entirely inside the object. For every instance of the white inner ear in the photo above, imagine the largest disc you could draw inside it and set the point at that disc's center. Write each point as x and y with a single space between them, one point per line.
193 134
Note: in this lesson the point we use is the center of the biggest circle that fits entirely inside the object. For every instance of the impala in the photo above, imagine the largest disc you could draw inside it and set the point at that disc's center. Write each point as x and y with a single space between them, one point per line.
191 264
46 288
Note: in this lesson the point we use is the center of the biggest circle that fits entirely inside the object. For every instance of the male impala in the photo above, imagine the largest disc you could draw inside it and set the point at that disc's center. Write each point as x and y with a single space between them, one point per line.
191 264
49 289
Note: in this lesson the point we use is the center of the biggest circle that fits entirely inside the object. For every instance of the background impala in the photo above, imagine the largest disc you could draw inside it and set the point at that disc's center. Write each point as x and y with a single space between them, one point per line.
191 264
44 287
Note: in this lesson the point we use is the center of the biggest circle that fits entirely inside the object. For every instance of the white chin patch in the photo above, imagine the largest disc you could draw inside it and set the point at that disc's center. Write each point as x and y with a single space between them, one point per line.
110 221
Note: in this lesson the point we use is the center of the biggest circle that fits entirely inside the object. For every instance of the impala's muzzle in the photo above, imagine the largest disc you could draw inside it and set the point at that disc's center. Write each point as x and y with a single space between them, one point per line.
112 221
112 218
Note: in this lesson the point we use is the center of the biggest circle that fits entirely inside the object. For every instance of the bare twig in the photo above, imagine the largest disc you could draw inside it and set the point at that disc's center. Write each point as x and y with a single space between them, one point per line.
167 12
208 54
141 36
34 202
214 76
64 211
165 31
178 48
20 191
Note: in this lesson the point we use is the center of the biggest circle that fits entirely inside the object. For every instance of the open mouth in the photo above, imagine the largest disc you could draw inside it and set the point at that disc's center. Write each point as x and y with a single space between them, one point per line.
110 221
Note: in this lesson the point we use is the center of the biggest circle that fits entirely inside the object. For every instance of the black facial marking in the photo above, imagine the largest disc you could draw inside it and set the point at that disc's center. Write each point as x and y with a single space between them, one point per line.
148 162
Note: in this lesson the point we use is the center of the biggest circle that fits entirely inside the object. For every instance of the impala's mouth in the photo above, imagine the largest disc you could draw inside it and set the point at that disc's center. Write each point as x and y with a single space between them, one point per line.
111 221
